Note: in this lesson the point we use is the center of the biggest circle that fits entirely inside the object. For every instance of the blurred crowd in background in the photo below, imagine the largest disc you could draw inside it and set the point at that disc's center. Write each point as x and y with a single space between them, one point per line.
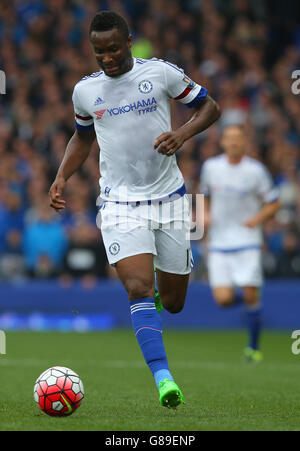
243 51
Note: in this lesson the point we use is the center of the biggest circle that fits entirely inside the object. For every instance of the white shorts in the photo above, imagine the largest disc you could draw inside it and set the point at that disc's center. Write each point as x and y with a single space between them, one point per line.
239 268
161 229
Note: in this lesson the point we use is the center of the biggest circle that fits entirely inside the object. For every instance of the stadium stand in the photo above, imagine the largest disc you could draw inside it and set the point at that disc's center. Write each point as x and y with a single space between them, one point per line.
239 49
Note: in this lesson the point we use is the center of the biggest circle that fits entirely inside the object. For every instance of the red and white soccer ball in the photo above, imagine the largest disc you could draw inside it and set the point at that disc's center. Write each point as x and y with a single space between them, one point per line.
58 391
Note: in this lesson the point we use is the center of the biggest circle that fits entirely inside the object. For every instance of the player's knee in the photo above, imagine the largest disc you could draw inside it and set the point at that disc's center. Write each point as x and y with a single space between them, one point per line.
139 288
251 296
224 299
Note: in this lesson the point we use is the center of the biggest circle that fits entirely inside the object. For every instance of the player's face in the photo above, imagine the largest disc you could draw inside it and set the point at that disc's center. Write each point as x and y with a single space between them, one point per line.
112 51
233 142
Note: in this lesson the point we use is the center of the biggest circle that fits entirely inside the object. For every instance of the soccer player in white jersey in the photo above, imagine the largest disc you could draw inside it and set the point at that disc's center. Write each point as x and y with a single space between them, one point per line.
239 198
126 106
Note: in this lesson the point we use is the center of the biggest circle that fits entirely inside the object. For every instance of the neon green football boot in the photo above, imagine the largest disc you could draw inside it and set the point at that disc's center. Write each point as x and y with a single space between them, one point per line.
157 300
253 355
169 394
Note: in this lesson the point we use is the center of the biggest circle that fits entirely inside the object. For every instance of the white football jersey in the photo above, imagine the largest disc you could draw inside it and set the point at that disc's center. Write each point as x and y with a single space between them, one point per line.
128 113
237 193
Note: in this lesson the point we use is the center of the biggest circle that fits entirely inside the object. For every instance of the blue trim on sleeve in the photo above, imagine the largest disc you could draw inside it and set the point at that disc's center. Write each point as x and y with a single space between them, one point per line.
201 96
84 128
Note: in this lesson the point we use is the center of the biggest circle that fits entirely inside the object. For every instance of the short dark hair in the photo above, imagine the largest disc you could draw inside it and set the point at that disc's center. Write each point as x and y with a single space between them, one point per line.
107 20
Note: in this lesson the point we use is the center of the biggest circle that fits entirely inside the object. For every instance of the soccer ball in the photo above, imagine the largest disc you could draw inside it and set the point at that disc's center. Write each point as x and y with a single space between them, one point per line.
58 391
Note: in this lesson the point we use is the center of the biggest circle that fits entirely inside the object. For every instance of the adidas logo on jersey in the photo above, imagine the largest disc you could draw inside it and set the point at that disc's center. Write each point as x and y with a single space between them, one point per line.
98 101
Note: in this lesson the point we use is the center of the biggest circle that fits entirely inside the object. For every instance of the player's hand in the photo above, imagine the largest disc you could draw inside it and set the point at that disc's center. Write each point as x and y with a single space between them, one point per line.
168 143
250 223
55 193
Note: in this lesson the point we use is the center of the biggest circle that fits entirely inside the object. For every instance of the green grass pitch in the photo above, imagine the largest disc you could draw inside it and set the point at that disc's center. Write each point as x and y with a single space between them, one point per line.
222 392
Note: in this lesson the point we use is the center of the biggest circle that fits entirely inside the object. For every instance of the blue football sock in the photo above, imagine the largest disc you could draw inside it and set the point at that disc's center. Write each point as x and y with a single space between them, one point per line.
146 324
253 316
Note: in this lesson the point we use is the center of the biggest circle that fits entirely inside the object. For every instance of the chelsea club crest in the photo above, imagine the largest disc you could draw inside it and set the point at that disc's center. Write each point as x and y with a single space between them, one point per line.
114 248
145 86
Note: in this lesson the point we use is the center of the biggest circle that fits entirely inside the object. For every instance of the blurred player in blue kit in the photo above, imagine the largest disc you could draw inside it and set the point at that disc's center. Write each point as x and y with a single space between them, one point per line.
239 198
126 106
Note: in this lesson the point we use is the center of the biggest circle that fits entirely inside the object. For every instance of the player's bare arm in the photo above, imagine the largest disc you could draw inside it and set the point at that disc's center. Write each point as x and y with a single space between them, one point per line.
76 153
267 212
205 115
